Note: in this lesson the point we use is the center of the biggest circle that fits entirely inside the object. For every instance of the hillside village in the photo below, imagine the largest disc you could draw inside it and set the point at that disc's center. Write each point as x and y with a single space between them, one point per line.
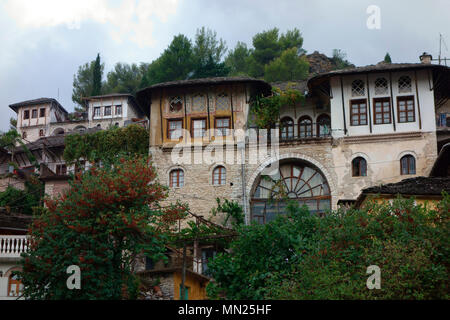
359 133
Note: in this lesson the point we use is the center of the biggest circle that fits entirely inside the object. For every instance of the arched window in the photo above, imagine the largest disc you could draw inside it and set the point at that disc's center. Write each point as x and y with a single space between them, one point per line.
176 178
287 128
41 132
24 135
305 127
404 84
323 125
358 88
381 86
14 285
293 181
219 176
58 131
359 167
408 165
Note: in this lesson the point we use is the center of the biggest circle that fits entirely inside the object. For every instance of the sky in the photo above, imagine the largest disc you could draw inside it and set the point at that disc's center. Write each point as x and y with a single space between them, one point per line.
44 42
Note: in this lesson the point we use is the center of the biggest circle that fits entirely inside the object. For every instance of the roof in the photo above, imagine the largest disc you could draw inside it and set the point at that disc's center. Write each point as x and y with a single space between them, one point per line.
418 186
440 167
300 85
379 67
14 221
114 95
15 106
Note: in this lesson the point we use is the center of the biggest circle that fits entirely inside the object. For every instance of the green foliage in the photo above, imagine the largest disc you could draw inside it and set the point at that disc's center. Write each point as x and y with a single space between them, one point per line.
232 212
208 48
387 58
125 78
107 217
23 201
237 59
303 256
106 145
97 77
83 83
339 59
289 66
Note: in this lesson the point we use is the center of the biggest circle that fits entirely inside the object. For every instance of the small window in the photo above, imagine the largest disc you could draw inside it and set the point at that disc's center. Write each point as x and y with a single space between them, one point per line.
97 112
118 110
61 169
323 125
24 135
358 88
287 128
15 285
42 113
176 177
382 111
41 132
176 104
305 127
359 167
99 126
108 111
186 293
34 113
381 86
174 129
358 112
408 165
406 112
222 102
404 84
223 126
26 114
198 128
219 176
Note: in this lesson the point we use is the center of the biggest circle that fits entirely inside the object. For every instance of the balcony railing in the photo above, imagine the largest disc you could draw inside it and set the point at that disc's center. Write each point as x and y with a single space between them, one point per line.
13 246
298 132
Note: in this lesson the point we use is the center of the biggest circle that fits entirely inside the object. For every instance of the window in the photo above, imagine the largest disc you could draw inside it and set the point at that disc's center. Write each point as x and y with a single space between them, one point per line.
198 103
198 128
404 84
14 285
222 126
118 110
176 104
323 125
381 86
34 114
207 255
61 169
42 112
176 177
222 102
358 88
149 264
186 293
382 110
41 132
305 127
26 114
219 176
359 167
24 135
174 129
406 111
108 111
97 112
287 128
358 112
408 165
99 126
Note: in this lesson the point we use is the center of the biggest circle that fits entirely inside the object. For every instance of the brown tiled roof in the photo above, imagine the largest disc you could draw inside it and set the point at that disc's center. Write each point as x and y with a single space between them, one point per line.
14 221
15 106
213 80
413 186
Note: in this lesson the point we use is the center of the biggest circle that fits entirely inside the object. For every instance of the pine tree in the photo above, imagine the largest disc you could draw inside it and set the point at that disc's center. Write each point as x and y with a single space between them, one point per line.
97 77
387 58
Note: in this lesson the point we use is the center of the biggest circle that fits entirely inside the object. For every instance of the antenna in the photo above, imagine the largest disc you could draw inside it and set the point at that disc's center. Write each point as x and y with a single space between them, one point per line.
58 95
441 42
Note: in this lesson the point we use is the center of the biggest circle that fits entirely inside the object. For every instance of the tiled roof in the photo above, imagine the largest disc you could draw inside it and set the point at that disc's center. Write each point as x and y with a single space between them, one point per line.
413 186
15 106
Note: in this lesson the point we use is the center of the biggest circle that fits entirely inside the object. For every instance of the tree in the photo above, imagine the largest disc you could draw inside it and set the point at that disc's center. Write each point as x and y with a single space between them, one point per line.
176 62
97 77
207 47
292 38
83 83
266 48
237 59
109 215
124 78
387 58
289 66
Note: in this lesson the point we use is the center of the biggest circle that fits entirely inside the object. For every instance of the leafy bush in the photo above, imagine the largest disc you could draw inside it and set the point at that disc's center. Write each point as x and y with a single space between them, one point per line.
302 256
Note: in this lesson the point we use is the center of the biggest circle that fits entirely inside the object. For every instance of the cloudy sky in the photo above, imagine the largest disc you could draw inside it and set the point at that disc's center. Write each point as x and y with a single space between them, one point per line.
44 41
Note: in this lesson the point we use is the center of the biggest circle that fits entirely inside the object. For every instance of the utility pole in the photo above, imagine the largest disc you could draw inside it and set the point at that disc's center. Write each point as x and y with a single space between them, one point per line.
183 274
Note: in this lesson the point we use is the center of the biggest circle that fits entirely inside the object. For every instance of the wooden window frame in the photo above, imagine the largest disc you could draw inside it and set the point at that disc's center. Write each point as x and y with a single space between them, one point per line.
41 132
26 114
222 176
42 113
408 157
359 102
99 112
34 113
168 130
118 107
406 98
319 123
215 125
110 111
61 169
178 178
192 126
291 125
382 100
359 159
303 125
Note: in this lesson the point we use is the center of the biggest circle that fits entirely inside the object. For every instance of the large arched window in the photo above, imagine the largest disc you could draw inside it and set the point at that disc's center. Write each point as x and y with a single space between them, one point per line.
305 127
287 128
408 165
219 176
176 178
359 167
295 181
323 125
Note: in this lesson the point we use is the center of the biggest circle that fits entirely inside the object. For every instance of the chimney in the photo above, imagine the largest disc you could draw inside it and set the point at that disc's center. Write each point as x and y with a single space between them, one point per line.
426 58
